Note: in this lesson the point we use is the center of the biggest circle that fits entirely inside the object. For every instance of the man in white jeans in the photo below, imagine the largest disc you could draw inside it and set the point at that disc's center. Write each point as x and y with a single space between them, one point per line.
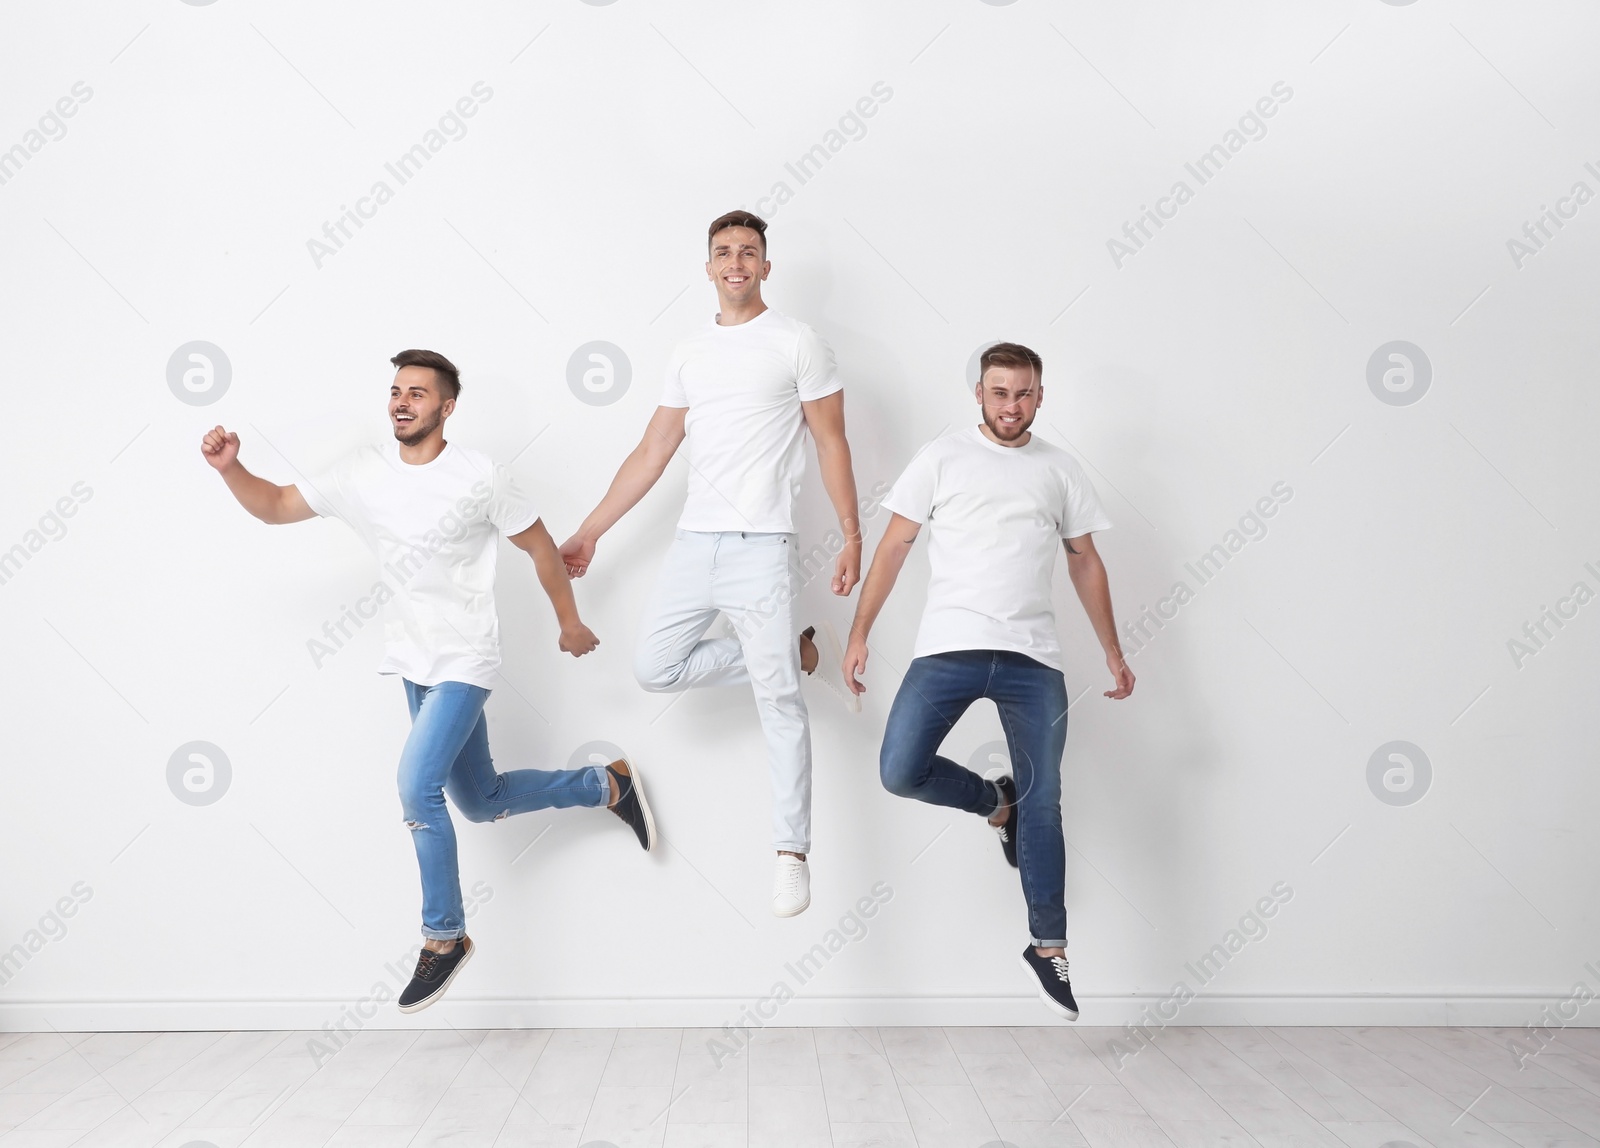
743 390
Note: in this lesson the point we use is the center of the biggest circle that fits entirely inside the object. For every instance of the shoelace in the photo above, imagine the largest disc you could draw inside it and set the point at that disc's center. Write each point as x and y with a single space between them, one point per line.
789 879
1061 967
425 963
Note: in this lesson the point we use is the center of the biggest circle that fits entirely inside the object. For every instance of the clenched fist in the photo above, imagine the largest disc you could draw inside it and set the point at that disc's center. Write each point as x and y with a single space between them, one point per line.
220 447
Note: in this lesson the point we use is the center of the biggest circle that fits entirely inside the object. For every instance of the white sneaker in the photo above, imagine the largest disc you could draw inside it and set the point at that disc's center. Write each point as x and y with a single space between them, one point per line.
830 665
791 887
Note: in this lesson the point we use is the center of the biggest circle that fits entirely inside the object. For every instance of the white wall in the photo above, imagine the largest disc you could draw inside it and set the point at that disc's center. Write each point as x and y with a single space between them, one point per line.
1228 355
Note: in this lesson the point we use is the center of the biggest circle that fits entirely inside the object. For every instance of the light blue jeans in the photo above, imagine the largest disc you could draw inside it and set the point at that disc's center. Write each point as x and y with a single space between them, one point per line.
448 752
745 575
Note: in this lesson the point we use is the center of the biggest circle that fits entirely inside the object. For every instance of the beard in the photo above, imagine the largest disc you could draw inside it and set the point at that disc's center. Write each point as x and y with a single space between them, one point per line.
1005 434
418 430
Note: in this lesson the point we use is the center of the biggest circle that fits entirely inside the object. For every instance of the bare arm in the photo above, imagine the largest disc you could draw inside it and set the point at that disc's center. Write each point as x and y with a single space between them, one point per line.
1089 579
638 473
576 638
271 503
825 417
886 563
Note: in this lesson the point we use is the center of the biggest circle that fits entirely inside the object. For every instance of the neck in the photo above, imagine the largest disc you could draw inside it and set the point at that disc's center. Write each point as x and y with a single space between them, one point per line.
1020 440
731 314
420 453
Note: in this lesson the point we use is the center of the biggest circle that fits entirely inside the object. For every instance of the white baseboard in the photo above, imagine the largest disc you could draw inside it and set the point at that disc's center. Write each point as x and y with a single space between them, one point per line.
466 1012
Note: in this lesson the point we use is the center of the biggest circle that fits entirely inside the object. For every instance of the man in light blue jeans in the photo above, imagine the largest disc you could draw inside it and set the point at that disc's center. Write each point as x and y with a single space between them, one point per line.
743 390
999 502
433 513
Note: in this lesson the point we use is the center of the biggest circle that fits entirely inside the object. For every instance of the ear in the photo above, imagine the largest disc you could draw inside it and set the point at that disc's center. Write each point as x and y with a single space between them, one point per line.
766 268
448 408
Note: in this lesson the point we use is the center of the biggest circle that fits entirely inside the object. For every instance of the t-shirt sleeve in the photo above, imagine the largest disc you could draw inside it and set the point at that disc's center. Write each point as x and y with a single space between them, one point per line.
509 508
814 369
672 392
329 492
1081 512
912 494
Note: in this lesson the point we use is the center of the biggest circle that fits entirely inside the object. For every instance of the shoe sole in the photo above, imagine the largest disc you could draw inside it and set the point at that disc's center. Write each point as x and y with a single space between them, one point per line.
794 912
644 804
834 652
439 992
1054 1005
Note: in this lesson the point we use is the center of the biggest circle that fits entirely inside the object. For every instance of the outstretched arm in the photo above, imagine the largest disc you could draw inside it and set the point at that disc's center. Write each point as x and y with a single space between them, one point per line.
825 417
886 562
576 638
637 474
1089 579
273 504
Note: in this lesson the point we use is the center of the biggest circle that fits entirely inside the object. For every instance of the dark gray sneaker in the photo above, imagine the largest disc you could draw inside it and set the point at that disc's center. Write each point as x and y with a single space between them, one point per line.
1007 830
434 973
631 805
1055 989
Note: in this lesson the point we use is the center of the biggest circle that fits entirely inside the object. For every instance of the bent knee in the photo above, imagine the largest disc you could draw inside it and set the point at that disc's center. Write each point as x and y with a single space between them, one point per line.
482 813
899 774
655 677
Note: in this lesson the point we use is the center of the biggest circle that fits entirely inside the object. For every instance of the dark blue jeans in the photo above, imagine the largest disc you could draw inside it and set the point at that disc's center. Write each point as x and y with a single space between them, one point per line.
1032 700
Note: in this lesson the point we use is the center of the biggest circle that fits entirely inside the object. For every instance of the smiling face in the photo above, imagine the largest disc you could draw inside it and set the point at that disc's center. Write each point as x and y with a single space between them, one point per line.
1011 397
737 266
416 407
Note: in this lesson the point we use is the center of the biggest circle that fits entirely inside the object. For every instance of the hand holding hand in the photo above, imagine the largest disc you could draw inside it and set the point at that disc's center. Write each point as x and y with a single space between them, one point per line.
577 553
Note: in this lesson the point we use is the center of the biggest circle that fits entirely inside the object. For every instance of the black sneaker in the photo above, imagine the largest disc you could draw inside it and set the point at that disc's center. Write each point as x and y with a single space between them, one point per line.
1055 989
631 805
434 973
1008 830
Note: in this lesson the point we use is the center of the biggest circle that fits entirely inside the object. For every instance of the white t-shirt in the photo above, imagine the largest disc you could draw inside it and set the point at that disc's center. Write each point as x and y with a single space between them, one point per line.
997 515
743 386
433 528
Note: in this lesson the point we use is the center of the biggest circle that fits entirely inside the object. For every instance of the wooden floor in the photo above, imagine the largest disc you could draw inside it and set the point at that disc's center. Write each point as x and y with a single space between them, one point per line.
834 1087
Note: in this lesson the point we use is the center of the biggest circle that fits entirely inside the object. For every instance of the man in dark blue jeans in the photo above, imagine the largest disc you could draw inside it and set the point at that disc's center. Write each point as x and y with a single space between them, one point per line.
998 500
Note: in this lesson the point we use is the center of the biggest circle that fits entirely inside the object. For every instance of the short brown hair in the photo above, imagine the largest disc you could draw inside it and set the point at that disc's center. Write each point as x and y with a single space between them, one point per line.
1010 355
739 219
444 370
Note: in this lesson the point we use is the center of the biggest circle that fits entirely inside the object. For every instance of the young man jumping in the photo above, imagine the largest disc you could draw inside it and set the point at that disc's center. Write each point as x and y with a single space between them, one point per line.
432 512
998 500
743 390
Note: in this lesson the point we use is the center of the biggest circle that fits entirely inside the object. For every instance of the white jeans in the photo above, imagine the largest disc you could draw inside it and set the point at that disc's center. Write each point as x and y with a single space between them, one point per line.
746 576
